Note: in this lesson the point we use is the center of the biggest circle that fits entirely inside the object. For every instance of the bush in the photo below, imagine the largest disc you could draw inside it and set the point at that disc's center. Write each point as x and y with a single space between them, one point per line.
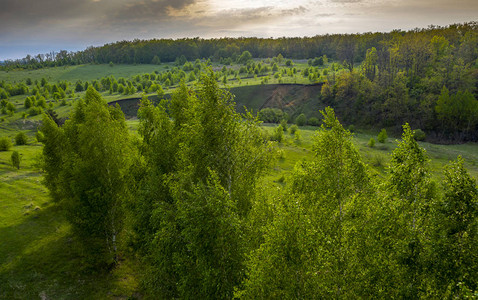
270 115
382 136
278 134
313 121
297 136
293 129
21 139
283 123
371 143
16 159
301 120
5 144
33 111
351 128
28 103
40 136
419 135
11 107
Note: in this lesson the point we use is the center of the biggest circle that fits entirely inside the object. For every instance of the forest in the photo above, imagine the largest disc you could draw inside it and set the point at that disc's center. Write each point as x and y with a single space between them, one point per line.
185 196
277 192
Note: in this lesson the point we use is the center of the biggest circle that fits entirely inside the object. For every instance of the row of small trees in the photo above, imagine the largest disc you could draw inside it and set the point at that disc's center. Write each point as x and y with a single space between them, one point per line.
186 197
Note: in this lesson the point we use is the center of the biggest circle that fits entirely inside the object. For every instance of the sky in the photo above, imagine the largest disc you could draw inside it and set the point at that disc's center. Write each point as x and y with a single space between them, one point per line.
41 26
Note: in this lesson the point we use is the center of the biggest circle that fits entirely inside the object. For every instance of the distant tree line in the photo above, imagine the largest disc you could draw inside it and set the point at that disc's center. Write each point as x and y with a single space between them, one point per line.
348 48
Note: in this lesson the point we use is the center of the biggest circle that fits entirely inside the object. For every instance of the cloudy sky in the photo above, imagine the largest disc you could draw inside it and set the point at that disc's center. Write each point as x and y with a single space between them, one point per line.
40 26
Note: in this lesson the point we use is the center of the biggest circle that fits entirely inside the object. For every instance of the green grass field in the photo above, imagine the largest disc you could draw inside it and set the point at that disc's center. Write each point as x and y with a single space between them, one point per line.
80 72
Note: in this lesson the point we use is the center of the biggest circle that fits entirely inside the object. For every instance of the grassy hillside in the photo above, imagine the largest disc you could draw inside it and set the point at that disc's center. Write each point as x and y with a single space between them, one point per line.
80 72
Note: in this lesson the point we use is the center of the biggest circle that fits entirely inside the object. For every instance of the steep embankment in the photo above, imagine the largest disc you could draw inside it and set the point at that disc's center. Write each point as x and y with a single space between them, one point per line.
291 98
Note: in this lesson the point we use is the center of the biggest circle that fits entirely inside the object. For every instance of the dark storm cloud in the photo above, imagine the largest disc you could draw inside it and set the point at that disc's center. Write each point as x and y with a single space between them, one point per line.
24 14
79 16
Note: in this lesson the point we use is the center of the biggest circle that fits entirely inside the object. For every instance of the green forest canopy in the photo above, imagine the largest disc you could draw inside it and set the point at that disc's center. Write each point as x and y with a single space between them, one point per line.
186 199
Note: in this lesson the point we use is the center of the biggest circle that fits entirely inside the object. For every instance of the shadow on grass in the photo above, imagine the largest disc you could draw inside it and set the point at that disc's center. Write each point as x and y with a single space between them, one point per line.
39 258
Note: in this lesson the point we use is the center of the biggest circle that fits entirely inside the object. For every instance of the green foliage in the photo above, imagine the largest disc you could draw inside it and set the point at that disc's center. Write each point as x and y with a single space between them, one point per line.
21 139
371 143
156 60
419 135
87 164
40 137
293 129
308 247
301 120
283 123
11 107
278 134
297 136
35 111
15 159
408 174
5 143
192 227
28 103
244 58
313 121
270 115
382 136
411 192
458 111
456 231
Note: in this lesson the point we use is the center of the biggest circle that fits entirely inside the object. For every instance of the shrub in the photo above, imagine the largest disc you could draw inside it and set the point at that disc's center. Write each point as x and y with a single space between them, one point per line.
5 144
11 107
301 120
15 159
351 128
278 134
283 123
382 136
33 111
28 103
293 129
41 102
21 139
313 121
371 143
40 136
270 115
297 136
419 135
